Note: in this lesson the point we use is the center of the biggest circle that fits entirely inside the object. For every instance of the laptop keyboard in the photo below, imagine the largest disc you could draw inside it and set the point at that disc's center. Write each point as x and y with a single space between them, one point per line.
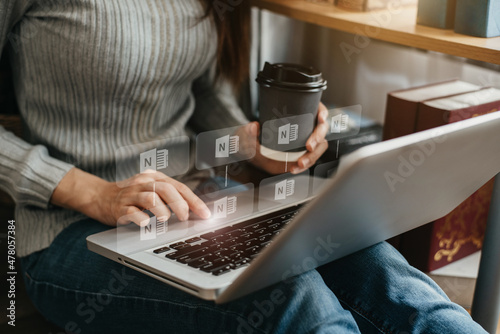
230 247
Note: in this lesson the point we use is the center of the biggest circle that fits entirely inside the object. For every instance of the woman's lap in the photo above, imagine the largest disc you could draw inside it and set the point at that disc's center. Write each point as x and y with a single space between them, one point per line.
80 290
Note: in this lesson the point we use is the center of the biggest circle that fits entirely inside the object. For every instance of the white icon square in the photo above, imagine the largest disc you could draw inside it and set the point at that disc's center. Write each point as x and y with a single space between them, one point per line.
224 207
287 133
153 159
339 123
224 146
153 229
284 189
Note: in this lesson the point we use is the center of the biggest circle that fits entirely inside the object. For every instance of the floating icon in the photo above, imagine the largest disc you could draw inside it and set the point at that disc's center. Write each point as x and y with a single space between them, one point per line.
339 123
284 189
224 146
153 229
154 159
287 133
224 207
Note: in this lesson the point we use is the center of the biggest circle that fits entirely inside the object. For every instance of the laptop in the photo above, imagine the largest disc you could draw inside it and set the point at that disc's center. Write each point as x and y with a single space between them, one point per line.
377 192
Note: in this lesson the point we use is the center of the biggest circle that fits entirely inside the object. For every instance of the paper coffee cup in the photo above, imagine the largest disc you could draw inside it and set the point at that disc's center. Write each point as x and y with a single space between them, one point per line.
289 95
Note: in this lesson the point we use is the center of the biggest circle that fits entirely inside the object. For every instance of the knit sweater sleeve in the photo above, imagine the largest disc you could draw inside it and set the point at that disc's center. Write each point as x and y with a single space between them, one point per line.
27 172
216 105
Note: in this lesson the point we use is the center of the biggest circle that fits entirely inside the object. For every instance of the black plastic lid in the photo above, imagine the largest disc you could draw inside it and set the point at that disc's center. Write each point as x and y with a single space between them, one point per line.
291 76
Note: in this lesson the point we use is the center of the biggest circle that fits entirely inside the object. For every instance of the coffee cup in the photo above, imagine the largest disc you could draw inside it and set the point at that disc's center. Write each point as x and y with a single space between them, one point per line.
289 95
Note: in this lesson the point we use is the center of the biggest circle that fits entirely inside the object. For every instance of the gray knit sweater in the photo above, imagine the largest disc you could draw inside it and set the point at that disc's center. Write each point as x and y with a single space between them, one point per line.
92 76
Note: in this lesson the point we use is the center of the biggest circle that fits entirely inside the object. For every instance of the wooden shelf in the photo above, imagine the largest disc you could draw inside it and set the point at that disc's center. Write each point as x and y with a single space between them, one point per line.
396 27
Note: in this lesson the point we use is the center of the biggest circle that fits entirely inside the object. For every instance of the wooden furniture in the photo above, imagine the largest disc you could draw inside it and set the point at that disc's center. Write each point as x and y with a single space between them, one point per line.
398 25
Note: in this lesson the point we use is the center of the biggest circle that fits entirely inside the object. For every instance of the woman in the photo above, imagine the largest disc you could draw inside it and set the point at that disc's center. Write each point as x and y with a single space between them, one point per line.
92 76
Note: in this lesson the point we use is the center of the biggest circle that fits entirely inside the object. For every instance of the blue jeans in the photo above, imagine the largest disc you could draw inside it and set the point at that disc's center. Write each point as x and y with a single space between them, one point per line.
371 291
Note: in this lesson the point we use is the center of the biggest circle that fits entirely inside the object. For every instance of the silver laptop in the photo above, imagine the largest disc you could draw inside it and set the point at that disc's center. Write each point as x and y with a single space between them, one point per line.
378 192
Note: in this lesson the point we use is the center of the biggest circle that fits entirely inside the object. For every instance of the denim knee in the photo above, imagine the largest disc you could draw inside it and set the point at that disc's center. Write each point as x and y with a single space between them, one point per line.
378 284
300 304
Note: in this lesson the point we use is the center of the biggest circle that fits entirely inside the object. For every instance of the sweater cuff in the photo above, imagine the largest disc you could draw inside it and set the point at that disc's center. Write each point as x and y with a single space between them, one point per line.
28 173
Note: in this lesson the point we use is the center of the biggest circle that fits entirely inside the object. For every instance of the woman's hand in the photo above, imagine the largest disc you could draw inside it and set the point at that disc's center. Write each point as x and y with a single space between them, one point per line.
112 204
316 145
